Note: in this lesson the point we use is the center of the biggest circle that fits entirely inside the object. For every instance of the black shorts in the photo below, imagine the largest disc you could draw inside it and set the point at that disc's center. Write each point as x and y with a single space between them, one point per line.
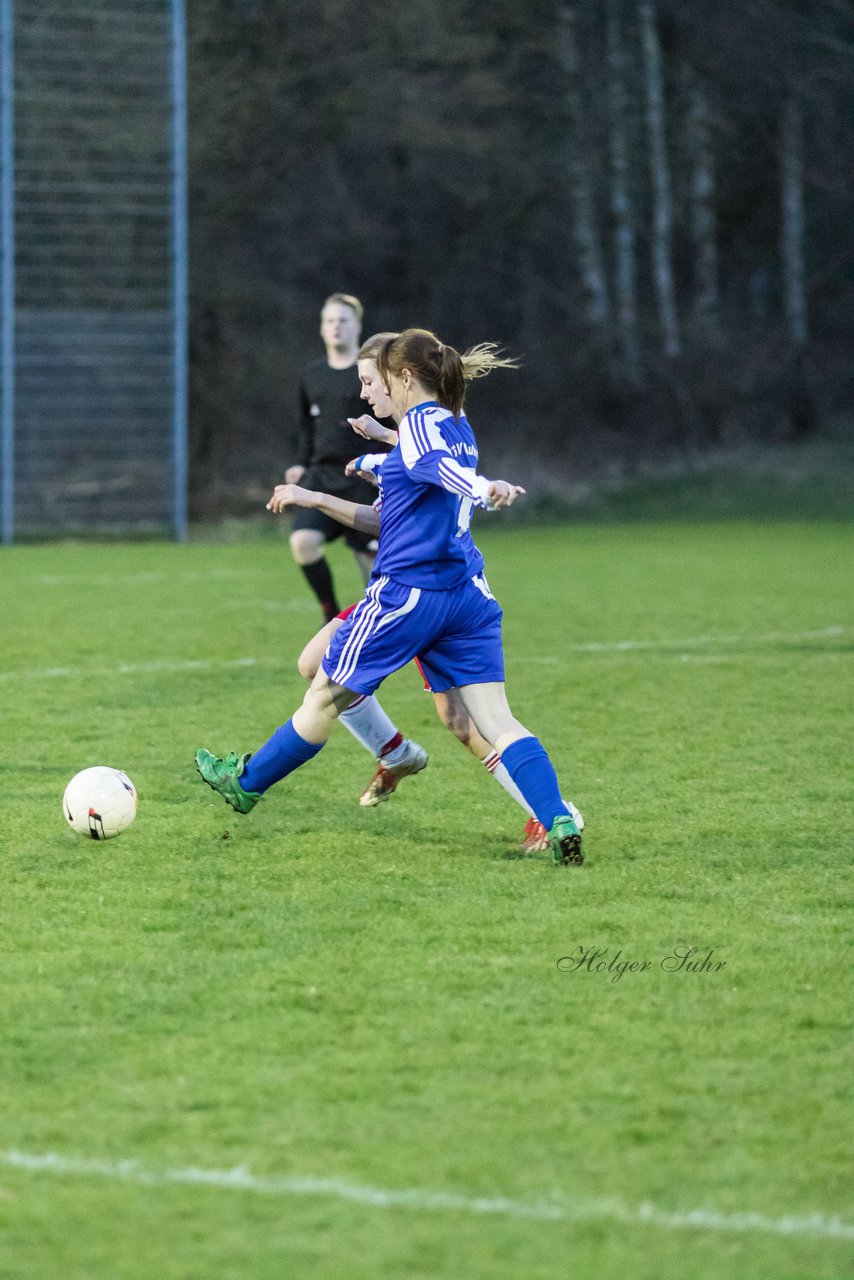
325 478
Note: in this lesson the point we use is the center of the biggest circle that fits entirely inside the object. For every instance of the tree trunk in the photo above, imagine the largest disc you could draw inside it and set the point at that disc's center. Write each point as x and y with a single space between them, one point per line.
591 265
802 405
792 219
662 235
621 203
705 303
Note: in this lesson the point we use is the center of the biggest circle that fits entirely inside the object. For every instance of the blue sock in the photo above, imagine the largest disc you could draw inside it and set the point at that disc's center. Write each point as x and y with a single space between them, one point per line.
278 757
533 772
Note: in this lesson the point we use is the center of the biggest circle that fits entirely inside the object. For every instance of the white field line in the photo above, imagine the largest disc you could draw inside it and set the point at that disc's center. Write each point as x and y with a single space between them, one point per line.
139 668
152 575
771 637
551 1209
672 647
616 647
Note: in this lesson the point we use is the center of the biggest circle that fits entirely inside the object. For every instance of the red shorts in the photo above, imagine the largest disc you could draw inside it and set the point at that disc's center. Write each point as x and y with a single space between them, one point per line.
345 613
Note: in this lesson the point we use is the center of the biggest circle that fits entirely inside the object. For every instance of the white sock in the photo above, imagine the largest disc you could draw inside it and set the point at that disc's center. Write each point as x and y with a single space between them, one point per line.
493 763
369 724
398 754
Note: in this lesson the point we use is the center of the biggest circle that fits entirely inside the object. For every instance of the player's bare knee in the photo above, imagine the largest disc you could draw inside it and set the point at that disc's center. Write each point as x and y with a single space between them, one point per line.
306 545
342 698
325 697
318 708
307 664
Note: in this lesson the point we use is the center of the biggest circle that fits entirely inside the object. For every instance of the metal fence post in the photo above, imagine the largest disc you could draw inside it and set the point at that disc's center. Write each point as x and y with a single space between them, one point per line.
100 292
179 266
7 278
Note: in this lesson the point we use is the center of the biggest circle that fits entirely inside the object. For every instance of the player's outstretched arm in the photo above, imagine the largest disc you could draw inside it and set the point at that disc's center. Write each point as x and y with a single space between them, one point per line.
446 472
372 430
351 514
427 458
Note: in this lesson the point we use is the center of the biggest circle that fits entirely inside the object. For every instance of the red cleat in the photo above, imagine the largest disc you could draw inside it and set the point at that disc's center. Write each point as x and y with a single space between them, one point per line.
535 837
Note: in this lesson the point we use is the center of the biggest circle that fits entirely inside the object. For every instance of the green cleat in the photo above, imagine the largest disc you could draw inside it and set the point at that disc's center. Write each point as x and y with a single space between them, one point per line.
565 840
222 776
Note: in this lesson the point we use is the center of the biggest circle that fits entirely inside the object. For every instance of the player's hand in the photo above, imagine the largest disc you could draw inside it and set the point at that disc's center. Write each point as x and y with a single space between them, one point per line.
293 475
352 470
290 495
502 494
372 430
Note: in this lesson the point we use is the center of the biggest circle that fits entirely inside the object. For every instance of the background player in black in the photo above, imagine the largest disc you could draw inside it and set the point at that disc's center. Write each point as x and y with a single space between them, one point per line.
330 394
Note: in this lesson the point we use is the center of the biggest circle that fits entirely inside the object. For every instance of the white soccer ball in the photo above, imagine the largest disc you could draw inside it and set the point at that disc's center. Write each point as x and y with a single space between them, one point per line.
99 802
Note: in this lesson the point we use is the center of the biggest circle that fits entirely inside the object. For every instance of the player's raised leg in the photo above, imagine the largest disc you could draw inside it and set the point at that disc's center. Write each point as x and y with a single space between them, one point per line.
241 780
379 637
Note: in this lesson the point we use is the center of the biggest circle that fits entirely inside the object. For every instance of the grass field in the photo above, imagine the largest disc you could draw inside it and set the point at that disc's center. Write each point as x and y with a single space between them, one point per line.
326 1042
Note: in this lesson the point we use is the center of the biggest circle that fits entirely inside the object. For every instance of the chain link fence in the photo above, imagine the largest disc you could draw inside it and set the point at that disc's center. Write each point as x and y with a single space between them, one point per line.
93 296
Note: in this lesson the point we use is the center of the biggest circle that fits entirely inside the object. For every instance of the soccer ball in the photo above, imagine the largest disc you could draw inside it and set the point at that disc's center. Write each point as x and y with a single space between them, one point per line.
99 802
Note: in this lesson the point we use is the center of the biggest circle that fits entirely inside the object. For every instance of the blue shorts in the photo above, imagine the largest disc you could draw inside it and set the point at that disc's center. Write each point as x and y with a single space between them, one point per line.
456 634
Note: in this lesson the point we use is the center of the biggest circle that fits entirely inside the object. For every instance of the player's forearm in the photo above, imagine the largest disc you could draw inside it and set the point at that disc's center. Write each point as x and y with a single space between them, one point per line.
372 430
367 520
354 515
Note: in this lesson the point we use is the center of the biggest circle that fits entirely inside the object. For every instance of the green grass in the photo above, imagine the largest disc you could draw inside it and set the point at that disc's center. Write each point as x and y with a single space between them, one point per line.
373 996
810 480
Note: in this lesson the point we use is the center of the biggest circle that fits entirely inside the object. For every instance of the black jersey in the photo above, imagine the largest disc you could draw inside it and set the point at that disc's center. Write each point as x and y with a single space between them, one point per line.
328 397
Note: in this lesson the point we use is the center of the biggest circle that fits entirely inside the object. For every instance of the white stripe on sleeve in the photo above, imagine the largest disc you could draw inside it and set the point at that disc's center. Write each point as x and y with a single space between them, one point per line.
372 462
463 480
418 434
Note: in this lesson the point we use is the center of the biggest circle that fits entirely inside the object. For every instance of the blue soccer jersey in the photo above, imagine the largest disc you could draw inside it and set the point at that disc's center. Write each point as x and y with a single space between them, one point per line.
428 488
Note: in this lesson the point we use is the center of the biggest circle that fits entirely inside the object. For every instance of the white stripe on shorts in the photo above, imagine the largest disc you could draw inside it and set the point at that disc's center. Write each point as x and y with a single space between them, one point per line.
414 597
372 624
366 612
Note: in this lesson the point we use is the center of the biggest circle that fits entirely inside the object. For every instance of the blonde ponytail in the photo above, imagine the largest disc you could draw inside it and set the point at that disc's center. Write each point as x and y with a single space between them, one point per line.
440 368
